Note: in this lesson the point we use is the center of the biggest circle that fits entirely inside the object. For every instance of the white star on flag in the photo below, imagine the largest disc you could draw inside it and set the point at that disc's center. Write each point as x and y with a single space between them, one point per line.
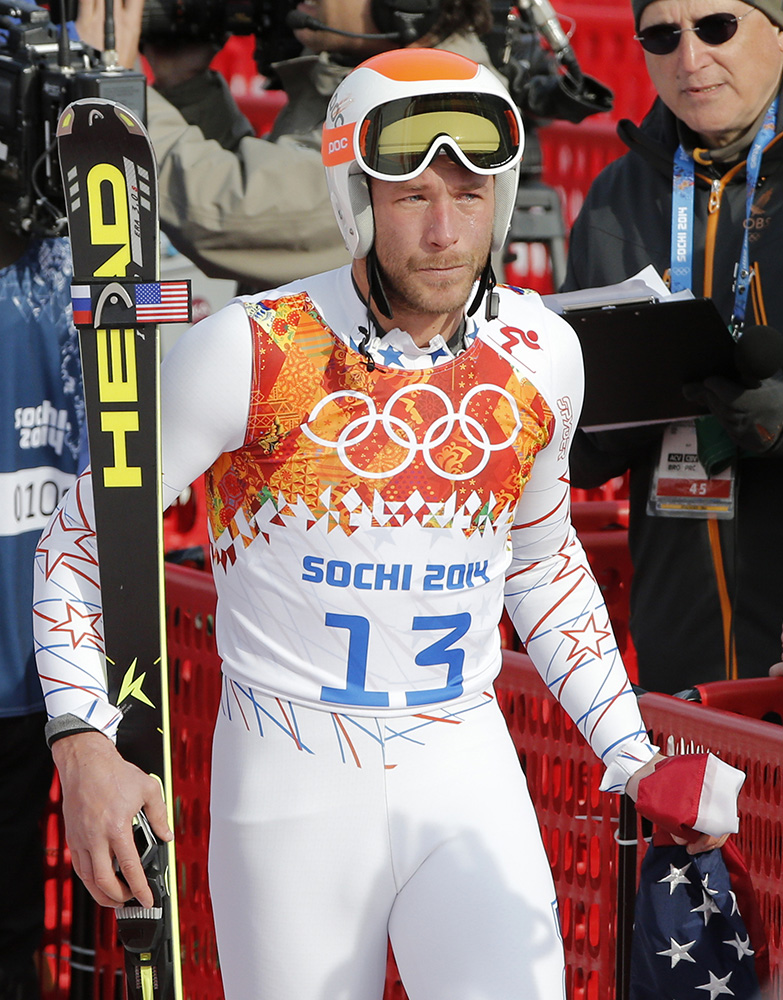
707 908
675 877
679 952
705 884
717 986
743 947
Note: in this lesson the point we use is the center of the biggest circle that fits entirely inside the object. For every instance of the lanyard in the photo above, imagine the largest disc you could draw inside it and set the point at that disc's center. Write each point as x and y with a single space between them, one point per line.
683 177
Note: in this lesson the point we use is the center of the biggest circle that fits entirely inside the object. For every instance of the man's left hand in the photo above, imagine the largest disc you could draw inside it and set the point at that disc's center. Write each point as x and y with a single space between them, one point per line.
704 842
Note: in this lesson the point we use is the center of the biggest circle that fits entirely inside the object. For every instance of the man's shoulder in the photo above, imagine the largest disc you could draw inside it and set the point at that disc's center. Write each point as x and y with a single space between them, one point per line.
326 299
527 329
318 284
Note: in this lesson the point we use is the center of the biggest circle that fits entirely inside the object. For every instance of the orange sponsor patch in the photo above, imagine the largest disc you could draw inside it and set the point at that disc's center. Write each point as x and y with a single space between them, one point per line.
337 144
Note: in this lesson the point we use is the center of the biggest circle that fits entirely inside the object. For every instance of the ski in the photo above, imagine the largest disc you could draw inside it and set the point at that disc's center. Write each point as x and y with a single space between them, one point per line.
109 179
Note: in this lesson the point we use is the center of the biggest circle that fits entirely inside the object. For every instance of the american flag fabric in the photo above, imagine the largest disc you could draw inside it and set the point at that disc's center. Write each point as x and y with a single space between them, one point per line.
691 793
697 933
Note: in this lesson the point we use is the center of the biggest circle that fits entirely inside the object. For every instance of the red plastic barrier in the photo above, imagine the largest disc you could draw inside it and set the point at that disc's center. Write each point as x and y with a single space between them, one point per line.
599 515
602 526
577 823
185 521
574 155
55 951
755 697
235 61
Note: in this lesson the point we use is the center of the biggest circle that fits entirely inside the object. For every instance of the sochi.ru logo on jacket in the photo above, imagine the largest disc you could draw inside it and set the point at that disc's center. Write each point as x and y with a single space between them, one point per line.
41 426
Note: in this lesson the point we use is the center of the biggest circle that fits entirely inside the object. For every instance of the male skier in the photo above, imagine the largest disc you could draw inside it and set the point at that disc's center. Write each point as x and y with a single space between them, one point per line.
387 454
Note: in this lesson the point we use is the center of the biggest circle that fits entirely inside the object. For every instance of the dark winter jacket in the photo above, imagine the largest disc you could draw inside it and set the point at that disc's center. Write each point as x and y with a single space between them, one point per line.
697 588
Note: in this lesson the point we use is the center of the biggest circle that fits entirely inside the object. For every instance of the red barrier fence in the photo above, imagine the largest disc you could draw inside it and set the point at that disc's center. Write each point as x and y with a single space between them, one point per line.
579 824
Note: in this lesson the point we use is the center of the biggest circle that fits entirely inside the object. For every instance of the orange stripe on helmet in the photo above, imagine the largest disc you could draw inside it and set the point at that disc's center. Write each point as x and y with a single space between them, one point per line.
417 64
337 144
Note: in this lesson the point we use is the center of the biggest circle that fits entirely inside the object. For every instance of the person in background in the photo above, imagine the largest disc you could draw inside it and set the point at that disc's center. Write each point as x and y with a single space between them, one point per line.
41 421
707 590
257 209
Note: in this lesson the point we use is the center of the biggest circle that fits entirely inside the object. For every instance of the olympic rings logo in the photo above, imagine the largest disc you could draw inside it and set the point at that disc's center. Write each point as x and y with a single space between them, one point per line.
401 434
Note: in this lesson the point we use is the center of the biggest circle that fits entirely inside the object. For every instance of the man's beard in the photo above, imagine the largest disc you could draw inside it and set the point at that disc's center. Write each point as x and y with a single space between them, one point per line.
432 299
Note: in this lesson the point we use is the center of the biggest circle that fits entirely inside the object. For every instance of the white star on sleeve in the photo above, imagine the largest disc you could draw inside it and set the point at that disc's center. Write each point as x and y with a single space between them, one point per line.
679 952
717 986
675 877
743 947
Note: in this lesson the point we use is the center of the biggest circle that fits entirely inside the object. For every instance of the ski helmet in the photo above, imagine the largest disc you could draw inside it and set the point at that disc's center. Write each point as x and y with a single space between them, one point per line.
396 111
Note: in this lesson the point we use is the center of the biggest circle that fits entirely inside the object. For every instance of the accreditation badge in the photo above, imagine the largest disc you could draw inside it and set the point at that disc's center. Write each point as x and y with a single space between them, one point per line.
681 486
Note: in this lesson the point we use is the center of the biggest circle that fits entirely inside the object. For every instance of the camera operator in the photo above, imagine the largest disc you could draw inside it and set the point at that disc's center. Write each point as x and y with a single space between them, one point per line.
255 209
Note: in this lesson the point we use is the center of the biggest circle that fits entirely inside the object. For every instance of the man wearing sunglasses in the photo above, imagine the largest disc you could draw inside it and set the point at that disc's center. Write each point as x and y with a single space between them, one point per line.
705 165
387 447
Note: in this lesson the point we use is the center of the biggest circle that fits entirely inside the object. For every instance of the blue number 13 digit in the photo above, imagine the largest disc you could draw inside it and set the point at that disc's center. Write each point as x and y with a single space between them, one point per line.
440 652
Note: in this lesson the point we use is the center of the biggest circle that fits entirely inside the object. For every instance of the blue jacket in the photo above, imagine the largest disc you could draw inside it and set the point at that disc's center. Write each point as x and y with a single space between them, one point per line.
41 422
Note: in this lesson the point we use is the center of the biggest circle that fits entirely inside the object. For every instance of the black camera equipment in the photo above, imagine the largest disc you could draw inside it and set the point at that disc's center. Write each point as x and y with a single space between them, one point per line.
404 21
41 72
273 23
203 20
167 23
546 84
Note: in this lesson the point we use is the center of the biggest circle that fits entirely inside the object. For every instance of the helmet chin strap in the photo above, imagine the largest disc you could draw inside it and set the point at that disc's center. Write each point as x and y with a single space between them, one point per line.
486 287
376 291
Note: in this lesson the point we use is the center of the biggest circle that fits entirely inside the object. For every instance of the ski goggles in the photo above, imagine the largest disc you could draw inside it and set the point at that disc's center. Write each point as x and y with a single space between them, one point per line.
714 29
399 139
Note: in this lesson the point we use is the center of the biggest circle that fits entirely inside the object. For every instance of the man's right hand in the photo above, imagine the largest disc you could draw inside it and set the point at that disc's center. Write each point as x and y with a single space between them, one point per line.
102 793
179 62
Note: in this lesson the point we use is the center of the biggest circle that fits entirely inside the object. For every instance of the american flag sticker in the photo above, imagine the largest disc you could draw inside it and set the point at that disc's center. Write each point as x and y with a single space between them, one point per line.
163 302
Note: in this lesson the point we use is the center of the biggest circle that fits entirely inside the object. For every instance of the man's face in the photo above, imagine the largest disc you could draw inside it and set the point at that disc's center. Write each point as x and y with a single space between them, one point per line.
433 236
717 90
347 15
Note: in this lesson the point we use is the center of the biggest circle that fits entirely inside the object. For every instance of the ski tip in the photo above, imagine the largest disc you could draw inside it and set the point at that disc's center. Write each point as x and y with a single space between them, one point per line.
96 109
65 124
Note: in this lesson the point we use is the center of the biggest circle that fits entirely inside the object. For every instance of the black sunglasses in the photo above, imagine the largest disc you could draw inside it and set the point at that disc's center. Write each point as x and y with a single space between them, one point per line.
714 29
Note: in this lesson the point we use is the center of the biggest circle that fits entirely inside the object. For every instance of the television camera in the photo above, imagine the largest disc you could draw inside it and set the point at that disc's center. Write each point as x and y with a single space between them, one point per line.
42 71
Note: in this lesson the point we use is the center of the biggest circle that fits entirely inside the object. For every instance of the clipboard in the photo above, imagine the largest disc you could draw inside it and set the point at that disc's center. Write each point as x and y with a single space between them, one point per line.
639 354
